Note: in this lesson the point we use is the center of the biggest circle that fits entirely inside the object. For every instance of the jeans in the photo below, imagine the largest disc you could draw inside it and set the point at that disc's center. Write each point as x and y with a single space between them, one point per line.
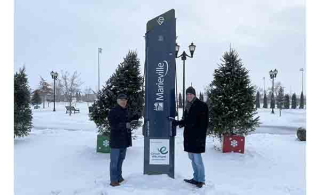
198 167
117 156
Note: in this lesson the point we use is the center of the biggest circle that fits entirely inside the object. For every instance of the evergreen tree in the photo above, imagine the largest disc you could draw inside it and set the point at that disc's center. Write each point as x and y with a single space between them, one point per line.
201 96
231 99
22 110
180 100
286 101
78 96
301 101
265 101
128 80
294 101
36 99
258 100
280 99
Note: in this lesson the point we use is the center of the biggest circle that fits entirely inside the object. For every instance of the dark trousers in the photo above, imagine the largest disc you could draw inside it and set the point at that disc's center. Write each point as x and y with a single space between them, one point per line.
117 156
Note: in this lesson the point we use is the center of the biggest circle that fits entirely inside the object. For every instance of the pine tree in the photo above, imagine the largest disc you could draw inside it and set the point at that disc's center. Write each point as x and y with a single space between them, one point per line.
301 101
258 100
231 99
22 110
294 101
265 101
201 96
180 100
36 99
286 101
280 99
78 96
128 80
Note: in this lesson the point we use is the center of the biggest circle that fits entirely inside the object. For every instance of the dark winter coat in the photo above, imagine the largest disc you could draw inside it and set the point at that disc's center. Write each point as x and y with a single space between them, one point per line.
195 124
120 136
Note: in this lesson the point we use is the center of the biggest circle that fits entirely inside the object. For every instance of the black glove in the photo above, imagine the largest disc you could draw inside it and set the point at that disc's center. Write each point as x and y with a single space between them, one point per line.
128 125
174 121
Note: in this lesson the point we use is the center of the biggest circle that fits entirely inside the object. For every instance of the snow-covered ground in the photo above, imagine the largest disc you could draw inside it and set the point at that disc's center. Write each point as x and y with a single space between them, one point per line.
59 158
288 123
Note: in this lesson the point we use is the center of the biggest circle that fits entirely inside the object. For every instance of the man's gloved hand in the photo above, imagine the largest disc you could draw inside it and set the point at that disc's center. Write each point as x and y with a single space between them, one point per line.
174 121
128 126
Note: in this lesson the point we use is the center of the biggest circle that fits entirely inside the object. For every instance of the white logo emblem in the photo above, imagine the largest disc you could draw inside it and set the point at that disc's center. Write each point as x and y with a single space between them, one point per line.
234 143
160 20
105 143
158 106
160 38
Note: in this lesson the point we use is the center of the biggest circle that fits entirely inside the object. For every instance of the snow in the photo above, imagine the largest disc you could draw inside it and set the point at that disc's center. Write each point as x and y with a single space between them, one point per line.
288 123
59 158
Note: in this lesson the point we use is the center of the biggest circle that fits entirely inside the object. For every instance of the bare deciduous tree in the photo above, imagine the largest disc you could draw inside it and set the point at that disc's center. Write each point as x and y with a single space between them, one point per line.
277 87
88 92
45 89
71 85
59 90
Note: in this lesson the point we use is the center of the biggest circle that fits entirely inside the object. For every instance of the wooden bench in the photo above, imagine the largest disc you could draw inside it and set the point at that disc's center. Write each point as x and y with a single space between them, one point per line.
71 108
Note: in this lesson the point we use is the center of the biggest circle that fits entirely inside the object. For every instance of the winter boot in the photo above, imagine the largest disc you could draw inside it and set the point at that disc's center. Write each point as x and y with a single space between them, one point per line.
200 184
191 181
121 180
114 184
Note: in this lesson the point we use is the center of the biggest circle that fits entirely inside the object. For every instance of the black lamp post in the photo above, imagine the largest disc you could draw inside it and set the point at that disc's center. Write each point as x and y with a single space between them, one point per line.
273 75
184 56
54 76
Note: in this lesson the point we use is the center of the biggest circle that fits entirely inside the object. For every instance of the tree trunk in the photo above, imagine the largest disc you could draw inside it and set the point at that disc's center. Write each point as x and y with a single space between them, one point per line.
70 108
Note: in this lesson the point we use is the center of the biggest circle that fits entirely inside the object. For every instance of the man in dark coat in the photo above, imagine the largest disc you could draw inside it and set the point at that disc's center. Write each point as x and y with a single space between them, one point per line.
195 122
120 138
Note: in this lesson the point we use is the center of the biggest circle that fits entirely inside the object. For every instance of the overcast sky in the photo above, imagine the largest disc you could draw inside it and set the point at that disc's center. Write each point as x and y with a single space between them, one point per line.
65 35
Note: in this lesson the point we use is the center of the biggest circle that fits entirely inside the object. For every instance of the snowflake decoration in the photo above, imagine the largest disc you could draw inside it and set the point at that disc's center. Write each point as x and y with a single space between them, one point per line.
105 143
234 143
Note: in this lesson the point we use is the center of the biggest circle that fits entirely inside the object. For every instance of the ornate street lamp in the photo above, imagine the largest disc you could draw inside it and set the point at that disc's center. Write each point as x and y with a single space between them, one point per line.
54 76
184 56
273 75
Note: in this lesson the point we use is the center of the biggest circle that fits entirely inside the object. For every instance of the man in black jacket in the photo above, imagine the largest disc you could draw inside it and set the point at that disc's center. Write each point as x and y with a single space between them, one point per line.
120 138
195 122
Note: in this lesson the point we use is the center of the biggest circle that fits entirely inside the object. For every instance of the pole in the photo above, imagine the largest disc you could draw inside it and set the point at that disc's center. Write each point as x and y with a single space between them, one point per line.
177 102
54 94
98 69
184 93
264 85
272 99
302 79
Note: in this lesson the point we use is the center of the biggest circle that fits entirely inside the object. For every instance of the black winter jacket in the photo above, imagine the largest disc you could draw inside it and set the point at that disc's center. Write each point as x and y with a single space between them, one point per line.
195 123
120 136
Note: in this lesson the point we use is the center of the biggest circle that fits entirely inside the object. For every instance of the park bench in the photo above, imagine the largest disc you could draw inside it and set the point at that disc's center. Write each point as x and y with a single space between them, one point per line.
72 108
